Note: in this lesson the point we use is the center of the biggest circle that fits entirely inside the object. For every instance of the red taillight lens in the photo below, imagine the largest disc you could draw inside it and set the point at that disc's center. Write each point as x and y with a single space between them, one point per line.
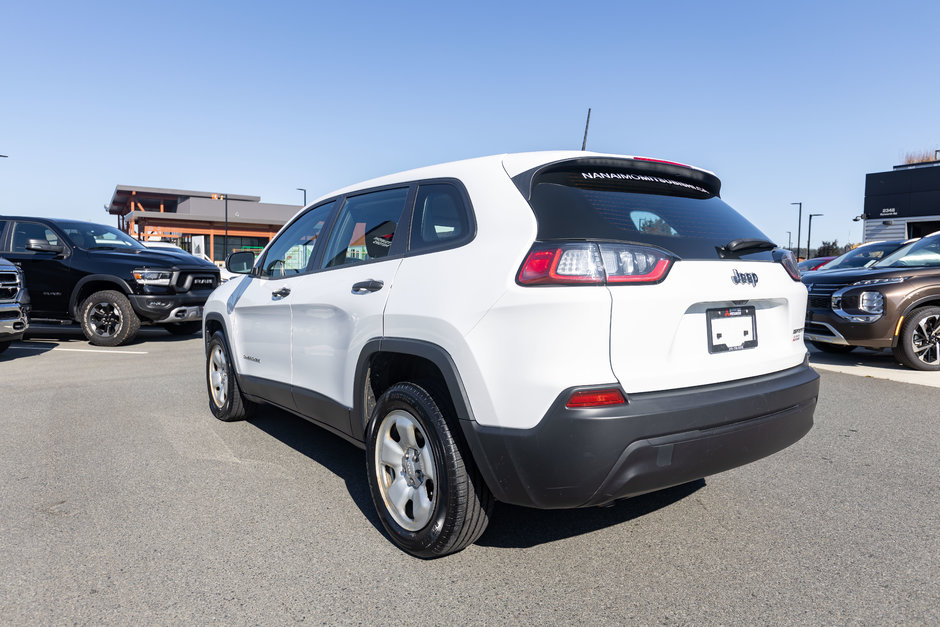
567 264
596 398
788 261
590 263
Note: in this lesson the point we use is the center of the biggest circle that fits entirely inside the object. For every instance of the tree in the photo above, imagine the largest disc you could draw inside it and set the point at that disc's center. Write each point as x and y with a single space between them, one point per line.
829 249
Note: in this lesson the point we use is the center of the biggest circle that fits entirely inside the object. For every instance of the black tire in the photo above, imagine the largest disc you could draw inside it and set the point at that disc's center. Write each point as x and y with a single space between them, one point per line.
108 319
460 502
826 347
919 341
4 346
225 398
184 328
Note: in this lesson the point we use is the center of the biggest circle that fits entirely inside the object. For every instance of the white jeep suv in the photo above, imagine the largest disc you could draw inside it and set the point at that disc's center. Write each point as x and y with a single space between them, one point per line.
553 330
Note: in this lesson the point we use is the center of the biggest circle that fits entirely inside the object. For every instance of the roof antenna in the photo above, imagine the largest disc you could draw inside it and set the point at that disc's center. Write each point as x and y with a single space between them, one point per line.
586 124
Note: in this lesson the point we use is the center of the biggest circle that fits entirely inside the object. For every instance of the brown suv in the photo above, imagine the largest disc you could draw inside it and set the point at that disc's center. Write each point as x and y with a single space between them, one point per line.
894 303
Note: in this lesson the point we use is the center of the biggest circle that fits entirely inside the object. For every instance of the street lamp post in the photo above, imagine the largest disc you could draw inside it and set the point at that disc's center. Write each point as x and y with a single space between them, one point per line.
799 223
301 189
225 240
790 241
809 231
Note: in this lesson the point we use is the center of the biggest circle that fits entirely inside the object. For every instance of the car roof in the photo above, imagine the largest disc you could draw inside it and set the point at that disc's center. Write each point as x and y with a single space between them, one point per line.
510 164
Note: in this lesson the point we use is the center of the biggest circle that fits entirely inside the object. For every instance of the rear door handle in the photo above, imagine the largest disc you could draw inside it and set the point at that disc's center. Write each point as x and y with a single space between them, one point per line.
371 285
281 293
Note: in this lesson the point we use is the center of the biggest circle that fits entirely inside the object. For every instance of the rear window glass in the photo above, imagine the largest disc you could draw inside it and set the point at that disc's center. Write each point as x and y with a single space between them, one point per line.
672 214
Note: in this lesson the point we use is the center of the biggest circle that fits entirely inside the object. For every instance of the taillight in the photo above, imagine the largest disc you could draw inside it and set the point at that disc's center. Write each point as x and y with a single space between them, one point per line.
593 263
596 398
785 258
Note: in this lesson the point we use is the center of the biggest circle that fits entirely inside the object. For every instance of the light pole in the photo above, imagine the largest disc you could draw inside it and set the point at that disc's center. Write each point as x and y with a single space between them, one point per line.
809 231
301 189
799 223
790 241
225 240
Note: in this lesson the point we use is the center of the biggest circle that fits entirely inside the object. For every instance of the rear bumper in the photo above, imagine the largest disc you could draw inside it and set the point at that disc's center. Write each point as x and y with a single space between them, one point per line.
584 457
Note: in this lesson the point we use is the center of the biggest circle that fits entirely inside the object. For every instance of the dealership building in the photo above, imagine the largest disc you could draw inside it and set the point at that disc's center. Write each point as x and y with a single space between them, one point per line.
196 221
902 203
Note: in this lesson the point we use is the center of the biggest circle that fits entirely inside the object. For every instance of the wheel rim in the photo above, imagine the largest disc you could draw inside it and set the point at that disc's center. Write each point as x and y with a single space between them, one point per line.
105 319
926 340
218 376
405 472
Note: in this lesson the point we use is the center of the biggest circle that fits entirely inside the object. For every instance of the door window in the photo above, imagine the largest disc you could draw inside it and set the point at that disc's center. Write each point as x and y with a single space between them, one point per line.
365 228
291 252
25 231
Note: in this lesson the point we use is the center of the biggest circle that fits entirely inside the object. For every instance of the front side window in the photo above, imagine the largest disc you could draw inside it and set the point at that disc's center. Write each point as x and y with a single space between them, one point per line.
25 231
291 252
365 228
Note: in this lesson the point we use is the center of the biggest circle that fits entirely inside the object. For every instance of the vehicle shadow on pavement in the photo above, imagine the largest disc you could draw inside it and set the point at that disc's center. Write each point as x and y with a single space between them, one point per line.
73 333
513 527
22 350
337 455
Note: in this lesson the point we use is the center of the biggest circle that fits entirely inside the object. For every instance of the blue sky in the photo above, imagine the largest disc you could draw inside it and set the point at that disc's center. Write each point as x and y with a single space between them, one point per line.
786 102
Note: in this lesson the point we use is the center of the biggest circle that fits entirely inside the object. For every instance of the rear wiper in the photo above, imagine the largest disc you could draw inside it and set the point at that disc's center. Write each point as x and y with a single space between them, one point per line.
745 246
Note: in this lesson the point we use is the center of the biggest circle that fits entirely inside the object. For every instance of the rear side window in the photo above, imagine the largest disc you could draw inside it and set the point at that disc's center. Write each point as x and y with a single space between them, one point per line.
440 218
365 228
673 214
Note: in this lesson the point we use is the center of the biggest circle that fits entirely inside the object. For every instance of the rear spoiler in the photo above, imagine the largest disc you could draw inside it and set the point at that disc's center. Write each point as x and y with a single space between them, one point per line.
607 167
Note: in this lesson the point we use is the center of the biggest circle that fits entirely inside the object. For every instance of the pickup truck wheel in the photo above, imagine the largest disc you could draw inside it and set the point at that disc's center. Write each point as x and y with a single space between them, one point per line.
108 319
425 487
184 328
826 347
225 398
919 342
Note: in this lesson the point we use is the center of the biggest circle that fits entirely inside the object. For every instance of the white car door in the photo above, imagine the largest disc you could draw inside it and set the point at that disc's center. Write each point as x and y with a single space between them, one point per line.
261 313
340 307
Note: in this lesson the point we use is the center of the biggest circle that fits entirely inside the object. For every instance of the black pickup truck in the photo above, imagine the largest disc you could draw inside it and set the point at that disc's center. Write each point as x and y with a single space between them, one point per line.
104 279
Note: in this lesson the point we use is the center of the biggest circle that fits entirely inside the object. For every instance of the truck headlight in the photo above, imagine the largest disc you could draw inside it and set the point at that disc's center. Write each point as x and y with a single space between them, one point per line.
153 277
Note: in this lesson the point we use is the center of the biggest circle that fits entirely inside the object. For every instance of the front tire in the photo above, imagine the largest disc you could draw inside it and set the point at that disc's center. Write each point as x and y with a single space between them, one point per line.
426 489
919 341
108 319
826 347
225 398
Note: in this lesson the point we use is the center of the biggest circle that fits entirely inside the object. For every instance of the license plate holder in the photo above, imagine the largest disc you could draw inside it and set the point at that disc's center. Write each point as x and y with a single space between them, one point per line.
731 329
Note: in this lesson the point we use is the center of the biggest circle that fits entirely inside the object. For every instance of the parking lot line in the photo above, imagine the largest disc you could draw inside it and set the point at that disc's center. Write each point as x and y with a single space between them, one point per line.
77 350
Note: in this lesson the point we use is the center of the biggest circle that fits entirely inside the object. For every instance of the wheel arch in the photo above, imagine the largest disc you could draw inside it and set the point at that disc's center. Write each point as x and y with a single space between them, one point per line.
932 300
383 362
92 283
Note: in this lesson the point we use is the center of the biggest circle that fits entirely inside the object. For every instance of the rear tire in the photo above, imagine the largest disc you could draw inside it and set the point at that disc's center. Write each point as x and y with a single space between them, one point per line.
919 341
426 489
225 398
184 328
826 347
108 319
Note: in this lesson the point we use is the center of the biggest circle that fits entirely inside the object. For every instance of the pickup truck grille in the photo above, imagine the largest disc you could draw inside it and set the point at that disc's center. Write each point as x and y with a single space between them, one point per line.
9 285
196 281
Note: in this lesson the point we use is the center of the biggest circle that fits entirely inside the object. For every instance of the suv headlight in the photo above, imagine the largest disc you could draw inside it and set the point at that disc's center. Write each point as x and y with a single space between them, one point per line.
872 302
897 279
153 277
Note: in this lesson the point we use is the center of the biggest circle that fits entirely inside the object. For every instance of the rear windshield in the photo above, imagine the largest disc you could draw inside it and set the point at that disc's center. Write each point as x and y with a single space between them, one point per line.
672 214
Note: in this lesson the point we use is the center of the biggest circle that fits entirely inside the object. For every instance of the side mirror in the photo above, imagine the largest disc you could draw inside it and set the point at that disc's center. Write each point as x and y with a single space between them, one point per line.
43 246
240 262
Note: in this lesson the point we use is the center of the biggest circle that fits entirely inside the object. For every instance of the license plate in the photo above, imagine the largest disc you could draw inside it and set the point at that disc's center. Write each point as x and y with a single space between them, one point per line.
731 329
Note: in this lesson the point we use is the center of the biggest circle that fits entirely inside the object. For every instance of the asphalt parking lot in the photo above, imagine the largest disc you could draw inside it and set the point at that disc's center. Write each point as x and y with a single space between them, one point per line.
125 501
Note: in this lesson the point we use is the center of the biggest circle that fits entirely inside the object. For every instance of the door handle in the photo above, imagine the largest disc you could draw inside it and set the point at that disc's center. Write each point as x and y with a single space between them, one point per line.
281 293
371 285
